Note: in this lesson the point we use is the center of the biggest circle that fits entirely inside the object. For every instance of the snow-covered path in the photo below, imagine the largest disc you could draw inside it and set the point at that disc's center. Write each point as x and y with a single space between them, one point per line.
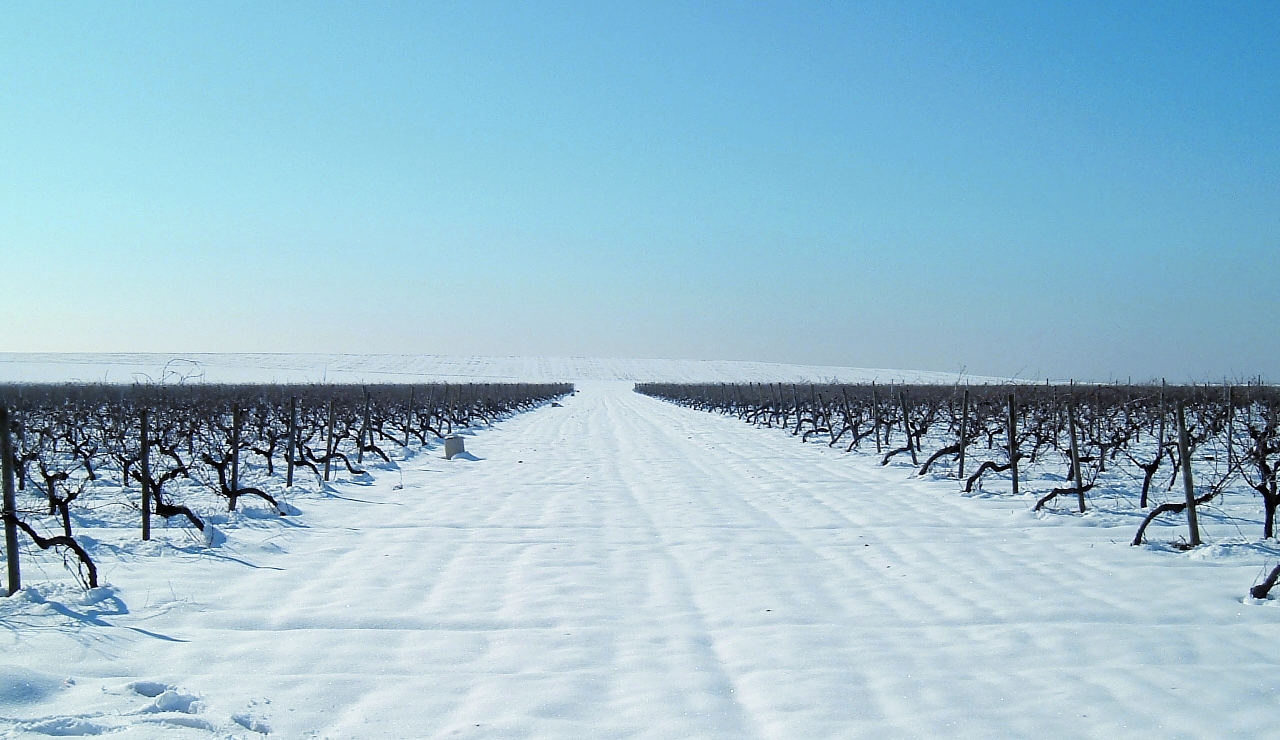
621 567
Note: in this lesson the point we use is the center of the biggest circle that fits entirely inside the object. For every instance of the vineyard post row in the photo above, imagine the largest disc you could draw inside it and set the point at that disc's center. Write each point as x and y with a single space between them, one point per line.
66 440
1226 435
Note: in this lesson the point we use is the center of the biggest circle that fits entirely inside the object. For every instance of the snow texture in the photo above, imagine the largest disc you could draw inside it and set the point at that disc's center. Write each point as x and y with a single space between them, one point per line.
620 567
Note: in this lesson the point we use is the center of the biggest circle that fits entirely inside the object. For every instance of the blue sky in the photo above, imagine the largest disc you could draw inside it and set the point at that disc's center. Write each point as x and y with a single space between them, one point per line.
1065 190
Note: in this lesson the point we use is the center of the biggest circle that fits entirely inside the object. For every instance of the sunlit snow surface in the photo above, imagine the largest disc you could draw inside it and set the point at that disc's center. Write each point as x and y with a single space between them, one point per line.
620 567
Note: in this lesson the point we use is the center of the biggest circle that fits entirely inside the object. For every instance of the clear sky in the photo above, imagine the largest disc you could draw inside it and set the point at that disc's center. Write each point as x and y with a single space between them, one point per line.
1065 190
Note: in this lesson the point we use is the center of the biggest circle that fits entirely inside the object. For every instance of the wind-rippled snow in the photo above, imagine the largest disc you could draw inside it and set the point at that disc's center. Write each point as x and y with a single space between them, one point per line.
621 567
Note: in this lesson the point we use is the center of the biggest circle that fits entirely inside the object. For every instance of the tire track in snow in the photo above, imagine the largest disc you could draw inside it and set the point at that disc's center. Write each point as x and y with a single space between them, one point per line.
1001 611
692 672
764 592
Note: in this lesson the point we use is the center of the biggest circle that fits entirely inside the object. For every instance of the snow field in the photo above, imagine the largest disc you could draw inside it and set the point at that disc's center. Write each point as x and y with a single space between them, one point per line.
126 367
622 567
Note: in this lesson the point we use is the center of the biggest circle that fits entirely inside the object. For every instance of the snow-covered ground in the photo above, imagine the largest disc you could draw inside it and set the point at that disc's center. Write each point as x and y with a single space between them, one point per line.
620 567
313 368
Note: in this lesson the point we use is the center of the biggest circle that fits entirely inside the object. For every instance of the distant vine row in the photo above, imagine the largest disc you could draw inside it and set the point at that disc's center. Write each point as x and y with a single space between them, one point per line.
1207 437
61 444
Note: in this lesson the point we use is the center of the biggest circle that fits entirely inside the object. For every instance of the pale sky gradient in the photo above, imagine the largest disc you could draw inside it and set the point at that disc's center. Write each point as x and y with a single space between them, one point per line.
1070 190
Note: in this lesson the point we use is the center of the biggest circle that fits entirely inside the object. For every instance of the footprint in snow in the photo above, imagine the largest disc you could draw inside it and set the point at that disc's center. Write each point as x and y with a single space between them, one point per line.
165 698
169 706
251 723
63 727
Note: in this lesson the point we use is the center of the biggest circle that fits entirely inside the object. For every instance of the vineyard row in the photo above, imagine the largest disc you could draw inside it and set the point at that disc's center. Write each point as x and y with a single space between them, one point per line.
1211 439
62 445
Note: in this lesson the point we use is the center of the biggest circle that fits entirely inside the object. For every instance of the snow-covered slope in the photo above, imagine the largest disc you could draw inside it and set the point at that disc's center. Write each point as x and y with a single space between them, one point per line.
620 567
310 368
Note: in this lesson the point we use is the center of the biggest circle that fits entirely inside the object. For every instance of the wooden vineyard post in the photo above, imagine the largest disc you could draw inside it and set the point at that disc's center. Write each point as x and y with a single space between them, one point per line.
906 426
1075 451
1268 435
292 444
888 421
1188 485
10 504
1231 427
1164 386
875 409
364 428
235 452
408 424
1013 443
18 431
328 447
447 406
1160 440
145 463
848 414
964 430
430 408
123 426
